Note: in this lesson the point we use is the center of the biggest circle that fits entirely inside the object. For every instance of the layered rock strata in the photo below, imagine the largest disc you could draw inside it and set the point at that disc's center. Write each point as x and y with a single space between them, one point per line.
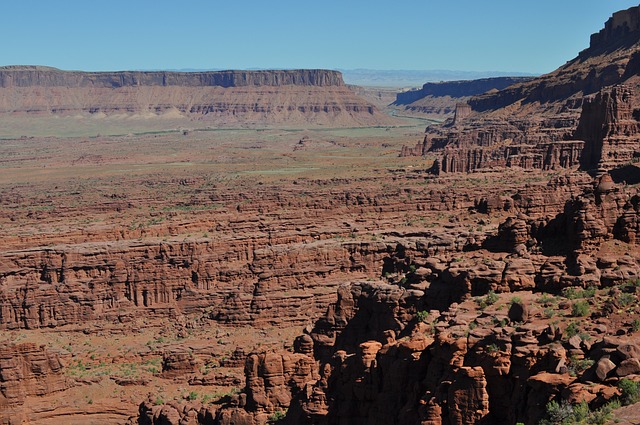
219 96
433 345
610 128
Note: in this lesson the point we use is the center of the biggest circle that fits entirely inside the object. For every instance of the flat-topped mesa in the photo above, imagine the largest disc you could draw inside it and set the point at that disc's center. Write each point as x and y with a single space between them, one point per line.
30 76
622 27
609 127
302 96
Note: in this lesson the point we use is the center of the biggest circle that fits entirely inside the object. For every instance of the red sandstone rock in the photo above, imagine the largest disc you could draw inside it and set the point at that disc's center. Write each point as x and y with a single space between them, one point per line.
28 370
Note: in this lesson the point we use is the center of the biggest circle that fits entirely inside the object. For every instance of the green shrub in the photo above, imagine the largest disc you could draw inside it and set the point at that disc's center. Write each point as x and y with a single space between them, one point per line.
491 298
422 316
277 416
492 348
626 299
580 309
630 391
574 294
559 413
546 300
572 330
577 366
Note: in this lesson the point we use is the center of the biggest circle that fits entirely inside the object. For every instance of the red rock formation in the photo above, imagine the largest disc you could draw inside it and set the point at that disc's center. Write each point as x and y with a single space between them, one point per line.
468 398
179 364
524 124
609 129
27 370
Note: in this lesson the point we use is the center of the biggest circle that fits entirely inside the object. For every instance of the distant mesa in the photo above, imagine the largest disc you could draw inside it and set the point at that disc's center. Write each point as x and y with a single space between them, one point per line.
315 96
439 99
464 88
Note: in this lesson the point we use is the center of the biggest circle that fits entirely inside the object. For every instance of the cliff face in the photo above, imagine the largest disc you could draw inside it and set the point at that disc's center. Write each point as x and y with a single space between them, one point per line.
610 129
622 28
27 370
292 96
383 354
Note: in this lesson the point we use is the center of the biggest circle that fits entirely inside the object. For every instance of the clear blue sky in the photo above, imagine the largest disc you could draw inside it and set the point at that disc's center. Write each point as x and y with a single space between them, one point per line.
474 35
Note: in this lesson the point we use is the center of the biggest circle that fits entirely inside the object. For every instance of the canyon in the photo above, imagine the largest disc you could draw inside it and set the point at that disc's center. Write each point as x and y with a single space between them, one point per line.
325 274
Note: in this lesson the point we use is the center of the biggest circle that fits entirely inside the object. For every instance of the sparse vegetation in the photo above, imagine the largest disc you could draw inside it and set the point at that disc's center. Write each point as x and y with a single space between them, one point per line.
578 366
564 413
421 316
277 416
574 294
492 348
546 300
489 299
626 299
580 309
630 391
571 330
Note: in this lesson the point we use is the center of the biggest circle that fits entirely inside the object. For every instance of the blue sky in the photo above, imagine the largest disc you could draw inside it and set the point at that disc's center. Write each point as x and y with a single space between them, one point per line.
474 35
